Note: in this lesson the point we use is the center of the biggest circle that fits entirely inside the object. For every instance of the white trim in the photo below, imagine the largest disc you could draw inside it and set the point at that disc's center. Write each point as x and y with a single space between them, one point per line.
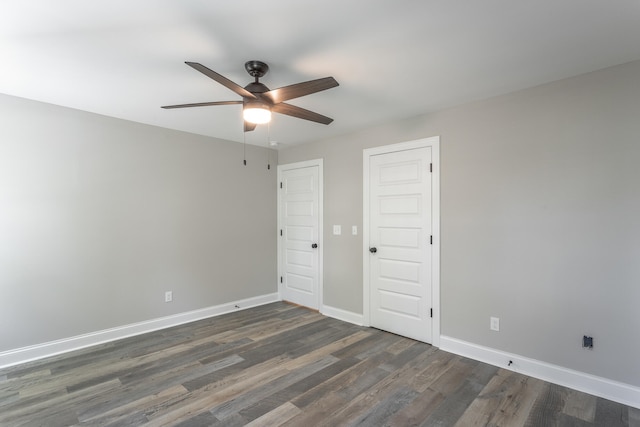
434 143
344 315
299 165
613 390
52 348
366 265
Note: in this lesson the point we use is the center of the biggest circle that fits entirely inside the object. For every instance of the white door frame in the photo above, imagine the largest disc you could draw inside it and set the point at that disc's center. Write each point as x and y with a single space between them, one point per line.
300 165
434 143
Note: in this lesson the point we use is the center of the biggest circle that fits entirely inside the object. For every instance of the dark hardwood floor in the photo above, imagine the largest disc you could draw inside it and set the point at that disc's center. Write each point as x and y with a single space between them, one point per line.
281 364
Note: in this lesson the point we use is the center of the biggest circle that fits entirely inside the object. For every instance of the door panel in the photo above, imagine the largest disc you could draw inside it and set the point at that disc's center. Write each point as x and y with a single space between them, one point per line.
402 272
399 304
400 230
299 222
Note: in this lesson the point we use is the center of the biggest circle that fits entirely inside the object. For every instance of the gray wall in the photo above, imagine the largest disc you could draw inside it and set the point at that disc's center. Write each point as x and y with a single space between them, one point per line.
100 216
540 219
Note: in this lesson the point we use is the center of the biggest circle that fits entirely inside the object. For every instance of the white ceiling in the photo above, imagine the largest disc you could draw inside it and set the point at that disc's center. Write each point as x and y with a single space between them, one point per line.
393 59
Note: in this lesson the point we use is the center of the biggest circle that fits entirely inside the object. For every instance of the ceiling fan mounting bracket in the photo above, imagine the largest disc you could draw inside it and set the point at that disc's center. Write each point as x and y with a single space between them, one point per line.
256 69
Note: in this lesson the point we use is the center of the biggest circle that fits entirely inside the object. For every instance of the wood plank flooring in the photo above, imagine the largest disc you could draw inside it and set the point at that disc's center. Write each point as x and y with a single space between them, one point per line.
283 365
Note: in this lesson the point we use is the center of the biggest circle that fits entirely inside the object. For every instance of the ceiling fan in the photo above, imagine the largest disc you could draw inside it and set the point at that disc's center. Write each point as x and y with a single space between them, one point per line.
258 101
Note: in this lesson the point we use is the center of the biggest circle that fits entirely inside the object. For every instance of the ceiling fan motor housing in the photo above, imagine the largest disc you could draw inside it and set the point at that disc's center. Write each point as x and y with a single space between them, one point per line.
256 87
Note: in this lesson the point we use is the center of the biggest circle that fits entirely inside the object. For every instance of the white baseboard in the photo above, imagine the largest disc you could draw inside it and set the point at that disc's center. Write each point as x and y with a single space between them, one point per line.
344 315
52 348
618 392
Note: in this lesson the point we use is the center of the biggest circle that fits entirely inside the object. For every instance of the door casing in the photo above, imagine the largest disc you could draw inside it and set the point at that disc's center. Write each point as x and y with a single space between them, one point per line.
434 143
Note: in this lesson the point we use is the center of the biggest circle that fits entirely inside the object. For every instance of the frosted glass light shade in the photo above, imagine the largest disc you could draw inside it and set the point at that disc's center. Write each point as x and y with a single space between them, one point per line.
257 115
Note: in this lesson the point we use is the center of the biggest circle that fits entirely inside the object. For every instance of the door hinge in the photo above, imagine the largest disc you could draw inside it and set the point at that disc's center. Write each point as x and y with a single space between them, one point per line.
281 185
430 167
431 239
280 279
281 232
432 312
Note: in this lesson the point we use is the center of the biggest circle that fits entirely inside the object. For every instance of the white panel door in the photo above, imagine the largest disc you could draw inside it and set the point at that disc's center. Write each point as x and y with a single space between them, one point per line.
299 235
400 221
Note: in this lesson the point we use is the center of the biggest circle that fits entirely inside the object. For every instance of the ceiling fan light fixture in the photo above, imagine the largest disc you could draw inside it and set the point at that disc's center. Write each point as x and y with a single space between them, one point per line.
257 113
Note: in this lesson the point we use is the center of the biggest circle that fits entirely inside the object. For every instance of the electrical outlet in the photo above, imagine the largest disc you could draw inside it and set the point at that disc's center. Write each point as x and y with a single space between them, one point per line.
587 342
495 324
168 296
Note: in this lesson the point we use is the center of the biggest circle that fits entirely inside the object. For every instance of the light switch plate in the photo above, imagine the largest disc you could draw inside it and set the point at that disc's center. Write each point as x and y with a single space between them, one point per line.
354 230
337 230
494 323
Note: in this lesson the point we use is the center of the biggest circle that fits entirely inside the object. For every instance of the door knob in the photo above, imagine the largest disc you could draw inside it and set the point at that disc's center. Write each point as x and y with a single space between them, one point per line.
314 245
373 250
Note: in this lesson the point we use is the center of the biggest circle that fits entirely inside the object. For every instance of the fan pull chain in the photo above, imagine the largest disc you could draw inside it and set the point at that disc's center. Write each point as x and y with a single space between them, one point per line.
269 146
244 145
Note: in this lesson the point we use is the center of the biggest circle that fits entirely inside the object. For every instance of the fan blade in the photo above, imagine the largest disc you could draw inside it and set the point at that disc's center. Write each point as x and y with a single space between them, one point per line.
221 79
301 113
300 89
248 127
201 104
